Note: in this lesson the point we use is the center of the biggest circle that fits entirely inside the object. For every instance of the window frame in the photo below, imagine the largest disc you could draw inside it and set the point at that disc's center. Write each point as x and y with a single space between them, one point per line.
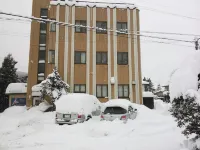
43 16
101 53
119 62
82 29
101 31
121 23
76 52
44 54
102 85
123 85
39 68
49 56
79 88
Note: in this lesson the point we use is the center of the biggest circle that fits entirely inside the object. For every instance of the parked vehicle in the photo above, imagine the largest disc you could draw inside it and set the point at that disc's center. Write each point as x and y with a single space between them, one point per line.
118 109
76 108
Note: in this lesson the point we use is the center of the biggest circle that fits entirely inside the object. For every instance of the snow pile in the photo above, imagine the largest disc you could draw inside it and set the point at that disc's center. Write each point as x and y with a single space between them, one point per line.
31 129
186 77
148 94
77 102
36 90
124 103
16 88
162 107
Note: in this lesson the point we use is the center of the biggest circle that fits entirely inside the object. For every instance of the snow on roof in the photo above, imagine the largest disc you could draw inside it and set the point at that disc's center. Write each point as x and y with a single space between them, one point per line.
145 82
124 103
95 3
148 94
165 92
77 103
16 88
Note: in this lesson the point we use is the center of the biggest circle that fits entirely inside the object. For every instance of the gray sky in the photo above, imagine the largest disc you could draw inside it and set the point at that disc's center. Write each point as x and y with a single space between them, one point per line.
158 60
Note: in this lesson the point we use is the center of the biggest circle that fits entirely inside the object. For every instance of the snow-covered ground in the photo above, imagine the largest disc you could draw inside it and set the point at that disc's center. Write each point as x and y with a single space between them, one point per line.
34 130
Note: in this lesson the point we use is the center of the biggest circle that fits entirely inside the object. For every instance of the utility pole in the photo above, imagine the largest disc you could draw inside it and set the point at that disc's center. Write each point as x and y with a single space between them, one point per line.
197 43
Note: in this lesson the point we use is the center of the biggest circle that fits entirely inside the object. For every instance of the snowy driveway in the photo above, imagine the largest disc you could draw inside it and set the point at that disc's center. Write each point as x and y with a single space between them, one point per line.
33 130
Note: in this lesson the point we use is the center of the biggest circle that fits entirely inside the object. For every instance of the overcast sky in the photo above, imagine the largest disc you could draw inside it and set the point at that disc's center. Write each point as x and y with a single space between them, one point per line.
158 60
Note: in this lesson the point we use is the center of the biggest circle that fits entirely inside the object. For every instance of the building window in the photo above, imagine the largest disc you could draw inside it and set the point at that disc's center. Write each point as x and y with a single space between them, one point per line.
80 29
122 58
41 68
102 91
42 55
102 25
51 56
101 57
80 58
43 13
42 39
123 91
53 26
122 26
43 28
42 48
79 88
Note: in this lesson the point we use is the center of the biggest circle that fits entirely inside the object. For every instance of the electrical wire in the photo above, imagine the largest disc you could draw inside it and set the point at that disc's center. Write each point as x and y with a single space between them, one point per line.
89 27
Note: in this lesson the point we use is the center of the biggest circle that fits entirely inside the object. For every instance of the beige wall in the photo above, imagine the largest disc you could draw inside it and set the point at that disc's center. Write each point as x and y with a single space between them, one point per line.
80 44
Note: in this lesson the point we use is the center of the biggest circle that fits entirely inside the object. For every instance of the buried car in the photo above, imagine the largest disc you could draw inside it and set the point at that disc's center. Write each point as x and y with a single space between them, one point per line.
76 108
118 109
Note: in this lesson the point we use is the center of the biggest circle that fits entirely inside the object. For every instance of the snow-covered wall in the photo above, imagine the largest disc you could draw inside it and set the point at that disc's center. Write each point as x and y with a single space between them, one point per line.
16 88
186 77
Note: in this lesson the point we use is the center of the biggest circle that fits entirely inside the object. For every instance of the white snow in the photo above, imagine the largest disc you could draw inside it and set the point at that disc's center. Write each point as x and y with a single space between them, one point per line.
92 3
186 77
165 92
148 94
78 103
16 88
145 82
44 106
124 103
22 129
36 90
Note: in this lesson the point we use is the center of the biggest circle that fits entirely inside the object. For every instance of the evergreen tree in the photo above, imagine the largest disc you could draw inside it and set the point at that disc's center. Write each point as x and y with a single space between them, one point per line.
53 87
7 73
159 87
187 113
144 79
151 85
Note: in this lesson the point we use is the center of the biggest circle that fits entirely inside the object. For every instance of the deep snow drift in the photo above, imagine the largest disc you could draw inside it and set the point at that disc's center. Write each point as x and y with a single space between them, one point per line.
30 130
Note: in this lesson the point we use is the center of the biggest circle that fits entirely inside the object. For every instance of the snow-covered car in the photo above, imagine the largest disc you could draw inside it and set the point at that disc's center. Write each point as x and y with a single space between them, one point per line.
118 109
76 108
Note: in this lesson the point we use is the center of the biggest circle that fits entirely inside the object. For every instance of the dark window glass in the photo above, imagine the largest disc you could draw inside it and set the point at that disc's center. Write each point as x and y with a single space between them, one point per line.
102 25
123 91
44 13
115 110
101 57
41 68
122 58
42 55
122 27
42 39
79 88
80 58
80 29
102 91
43 28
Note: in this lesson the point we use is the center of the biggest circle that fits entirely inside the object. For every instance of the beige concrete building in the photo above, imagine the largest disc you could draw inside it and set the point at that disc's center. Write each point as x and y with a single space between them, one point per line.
102 63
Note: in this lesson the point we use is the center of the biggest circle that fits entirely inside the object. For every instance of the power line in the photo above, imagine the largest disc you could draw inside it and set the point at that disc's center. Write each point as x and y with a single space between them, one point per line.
89 27
147 8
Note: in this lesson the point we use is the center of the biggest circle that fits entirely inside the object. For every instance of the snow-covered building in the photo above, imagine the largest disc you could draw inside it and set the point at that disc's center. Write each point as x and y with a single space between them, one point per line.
148 97
17 94
103 61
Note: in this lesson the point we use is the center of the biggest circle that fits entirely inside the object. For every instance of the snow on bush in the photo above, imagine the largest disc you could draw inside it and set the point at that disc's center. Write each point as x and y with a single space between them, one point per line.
53 86
77 103
186 76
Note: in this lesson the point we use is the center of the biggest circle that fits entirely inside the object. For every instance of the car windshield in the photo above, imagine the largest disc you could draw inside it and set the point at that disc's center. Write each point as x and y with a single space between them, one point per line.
115 110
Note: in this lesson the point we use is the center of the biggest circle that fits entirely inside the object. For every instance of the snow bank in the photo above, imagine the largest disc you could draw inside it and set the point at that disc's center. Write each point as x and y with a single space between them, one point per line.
186 77
16 88
162 107
77 102
31 129
124 103
148 94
